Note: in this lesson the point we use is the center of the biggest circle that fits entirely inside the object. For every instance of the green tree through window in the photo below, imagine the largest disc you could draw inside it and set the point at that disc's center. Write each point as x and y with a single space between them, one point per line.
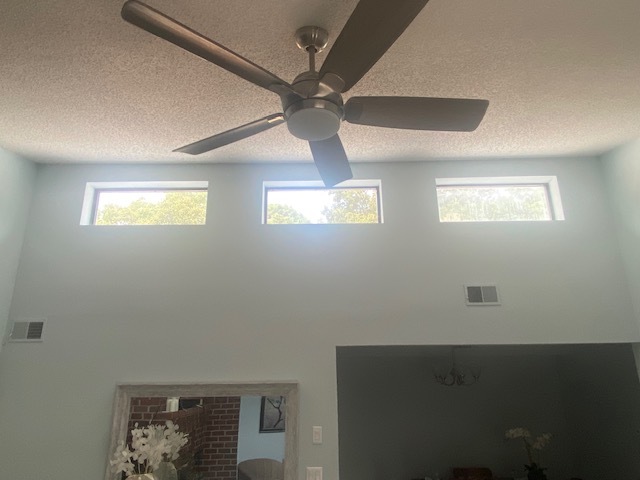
176 208
493 203
278 213
352 205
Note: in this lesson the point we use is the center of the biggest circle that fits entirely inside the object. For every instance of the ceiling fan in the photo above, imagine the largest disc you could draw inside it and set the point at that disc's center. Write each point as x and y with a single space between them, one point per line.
312 104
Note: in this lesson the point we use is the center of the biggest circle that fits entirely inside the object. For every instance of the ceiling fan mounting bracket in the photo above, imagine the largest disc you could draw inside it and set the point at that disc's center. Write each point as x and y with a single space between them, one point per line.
311 37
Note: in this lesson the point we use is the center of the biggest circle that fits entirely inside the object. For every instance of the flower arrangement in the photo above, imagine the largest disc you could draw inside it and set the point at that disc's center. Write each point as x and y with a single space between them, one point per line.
150 446
535 471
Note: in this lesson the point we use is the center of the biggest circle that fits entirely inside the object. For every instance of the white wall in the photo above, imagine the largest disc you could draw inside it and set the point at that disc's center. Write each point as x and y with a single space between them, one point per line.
237 300
622 173
252 443
17 176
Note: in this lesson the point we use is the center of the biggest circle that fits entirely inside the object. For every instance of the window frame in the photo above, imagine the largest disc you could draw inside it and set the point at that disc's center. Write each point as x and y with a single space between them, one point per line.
549 183
94 189
318 185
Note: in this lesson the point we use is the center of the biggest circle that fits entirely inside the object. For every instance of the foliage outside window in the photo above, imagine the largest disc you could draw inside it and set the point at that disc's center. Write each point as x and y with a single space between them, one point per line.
494 203
316 205
150 207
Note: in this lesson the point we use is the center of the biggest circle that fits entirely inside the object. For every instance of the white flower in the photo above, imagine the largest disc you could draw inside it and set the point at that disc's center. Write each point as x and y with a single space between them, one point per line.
517 433
541 441
150 446
538 444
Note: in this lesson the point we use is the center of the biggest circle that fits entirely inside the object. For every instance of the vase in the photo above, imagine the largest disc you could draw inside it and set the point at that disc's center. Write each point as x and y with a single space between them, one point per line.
142 476
534 472
166 471
536 475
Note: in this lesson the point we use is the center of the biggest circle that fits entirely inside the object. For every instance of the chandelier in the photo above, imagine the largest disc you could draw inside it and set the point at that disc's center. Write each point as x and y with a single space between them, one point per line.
457 375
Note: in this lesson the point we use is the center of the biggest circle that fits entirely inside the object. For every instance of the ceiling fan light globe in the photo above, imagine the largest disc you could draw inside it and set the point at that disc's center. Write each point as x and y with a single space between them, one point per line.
313 124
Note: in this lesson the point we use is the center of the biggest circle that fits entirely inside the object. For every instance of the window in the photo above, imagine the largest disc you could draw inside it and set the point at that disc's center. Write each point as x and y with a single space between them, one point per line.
145 203
355 201
498 199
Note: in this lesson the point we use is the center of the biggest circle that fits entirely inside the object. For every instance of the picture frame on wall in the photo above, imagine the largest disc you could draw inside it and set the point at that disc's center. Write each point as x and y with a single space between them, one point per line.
272 414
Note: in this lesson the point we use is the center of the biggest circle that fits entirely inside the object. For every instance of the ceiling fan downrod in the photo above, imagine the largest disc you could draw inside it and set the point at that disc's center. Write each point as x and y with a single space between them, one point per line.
316 114
312 40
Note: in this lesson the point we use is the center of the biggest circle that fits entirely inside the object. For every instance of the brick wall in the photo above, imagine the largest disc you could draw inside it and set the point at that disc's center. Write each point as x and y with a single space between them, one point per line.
220 454
144 409
212 451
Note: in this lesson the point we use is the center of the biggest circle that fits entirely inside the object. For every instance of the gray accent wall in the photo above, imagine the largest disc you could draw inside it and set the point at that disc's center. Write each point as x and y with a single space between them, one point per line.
397 422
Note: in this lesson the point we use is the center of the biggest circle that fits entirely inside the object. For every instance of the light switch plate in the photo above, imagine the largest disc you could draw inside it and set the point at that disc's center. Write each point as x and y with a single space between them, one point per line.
317 435
314 473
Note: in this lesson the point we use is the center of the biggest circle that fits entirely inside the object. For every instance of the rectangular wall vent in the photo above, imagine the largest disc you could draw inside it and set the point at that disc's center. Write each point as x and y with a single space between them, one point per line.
27 331
481 295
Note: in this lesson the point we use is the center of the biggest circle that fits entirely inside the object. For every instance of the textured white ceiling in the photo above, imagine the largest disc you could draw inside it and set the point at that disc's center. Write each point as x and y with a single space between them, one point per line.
79 84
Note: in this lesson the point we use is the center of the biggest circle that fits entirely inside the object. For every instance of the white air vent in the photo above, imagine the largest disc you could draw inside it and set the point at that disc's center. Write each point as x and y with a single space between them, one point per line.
27 331
481 295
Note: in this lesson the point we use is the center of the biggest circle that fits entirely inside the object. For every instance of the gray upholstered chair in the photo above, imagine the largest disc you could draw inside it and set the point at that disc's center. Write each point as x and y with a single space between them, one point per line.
260 469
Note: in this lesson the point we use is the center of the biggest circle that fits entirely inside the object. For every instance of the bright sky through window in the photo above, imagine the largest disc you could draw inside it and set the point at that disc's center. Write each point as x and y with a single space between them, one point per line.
322 205
124 198
309 203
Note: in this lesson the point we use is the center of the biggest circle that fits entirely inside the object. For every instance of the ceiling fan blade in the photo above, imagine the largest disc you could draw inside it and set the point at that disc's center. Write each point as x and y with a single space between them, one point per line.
417 113
331 160
157 23
371 29
233 135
